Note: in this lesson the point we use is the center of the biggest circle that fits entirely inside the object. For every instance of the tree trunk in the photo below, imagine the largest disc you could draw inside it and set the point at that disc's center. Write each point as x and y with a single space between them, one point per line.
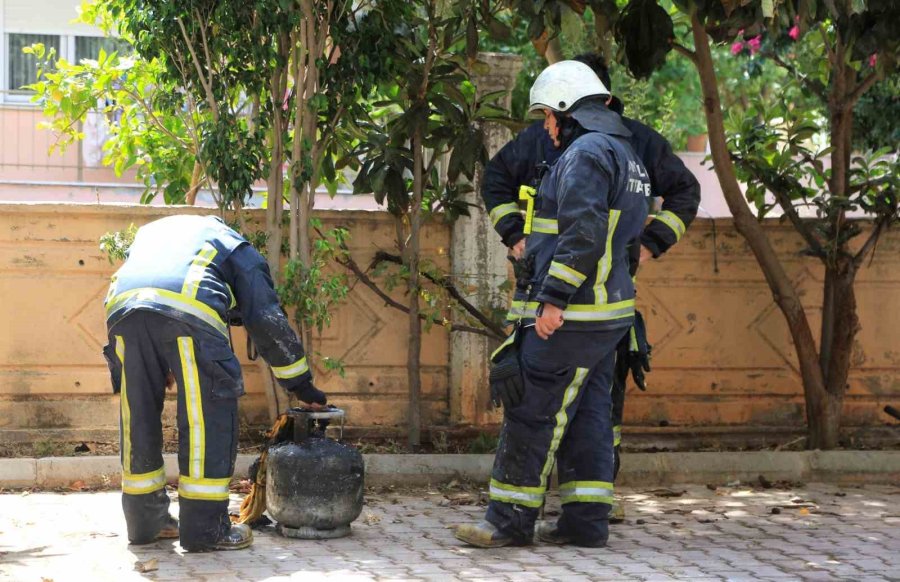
413 363
839 313
191 197
783 292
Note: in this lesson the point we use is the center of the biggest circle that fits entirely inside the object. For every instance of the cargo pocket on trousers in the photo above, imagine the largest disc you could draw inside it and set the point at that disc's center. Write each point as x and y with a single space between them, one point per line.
545 386
222 366
115 367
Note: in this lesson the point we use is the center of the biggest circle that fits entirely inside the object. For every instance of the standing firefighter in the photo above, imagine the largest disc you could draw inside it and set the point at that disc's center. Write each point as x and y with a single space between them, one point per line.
554 374
521 162
166 313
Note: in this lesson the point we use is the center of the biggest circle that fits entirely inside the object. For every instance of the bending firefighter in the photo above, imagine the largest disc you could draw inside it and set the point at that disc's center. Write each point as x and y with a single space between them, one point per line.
522 162
166 312
574 302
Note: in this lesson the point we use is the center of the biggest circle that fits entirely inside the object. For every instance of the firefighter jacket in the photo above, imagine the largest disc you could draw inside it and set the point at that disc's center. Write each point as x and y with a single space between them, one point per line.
196 269
589 206
520 162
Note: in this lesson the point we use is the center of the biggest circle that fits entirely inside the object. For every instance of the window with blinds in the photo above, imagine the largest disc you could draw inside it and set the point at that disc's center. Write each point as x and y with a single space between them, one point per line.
22 67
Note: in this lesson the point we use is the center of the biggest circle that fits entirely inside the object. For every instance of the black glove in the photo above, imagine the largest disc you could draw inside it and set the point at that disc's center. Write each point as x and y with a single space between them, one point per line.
309 394
507 385
639 351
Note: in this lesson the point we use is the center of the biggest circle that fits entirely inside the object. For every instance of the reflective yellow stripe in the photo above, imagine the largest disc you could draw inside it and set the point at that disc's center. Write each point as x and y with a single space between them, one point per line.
509 340
194 407
208 489
138 484
671 220
586 492
197 270
126 409
576 311
545 226
113 283
617 435
233 303
562 419
170 299
604 266
528 194
566 274
298 368
527 496
633 344
498 212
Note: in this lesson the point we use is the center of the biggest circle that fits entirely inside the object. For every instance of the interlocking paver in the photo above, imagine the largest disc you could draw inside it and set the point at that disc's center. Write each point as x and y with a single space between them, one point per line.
728 534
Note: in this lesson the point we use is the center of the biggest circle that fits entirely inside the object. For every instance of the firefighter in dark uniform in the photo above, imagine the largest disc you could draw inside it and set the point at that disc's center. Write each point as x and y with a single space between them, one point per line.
554 373
166 312
521 162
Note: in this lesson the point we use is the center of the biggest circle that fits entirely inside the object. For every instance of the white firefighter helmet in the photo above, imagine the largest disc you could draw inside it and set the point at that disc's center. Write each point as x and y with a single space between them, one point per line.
563 84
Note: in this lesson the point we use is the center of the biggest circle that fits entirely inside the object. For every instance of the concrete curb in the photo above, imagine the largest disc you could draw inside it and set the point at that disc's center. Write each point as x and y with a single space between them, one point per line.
638 469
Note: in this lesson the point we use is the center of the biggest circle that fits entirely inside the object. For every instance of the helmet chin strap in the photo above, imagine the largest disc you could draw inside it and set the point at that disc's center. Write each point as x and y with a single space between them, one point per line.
569 129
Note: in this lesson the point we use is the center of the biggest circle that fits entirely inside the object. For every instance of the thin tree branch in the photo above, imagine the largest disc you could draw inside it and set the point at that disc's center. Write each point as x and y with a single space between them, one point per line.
869 245
861 89
446 284
684 51
811 84
353 267
207 88
785 203
832 58
149 110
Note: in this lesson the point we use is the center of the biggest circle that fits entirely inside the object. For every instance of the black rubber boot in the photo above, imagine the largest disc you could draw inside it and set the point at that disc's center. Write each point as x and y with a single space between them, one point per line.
548 532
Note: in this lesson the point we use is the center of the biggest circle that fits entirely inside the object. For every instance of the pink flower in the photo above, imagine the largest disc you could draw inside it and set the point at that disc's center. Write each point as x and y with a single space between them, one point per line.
737 47
794 33
873 59
754 44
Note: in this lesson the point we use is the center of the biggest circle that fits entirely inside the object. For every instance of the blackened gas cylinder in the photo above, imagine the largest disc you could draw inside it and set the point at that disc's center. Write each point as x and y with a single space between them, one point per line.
314 484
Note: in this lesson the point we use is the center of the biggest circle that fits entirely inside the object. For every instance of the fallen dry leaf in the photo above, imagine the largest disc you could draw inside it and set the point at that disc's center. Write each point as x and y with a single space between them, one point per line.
663 492
803 511
150 565
371 519
77 486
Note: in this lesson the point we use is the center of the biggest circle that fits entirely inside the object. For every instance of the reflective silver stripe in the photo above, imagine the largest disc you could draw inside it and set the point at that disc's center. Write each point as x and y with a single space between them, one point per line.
604 266
194 405
586 492
144 482
298 368
169 299
527 496
203 488
502 210
576 312
617 435
197 270
545 225
566 274
671 220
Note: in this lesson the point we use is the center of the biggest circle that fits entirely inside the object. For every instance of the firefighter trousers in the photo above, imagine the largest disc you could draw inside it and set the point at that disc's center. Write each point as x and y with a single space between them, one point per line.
565 415
146 345
620 377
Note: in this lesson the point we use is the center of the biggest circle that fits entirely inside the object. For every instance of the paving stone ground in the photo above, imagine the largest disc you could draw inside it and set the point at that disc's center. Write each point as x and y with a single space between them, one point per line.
821 533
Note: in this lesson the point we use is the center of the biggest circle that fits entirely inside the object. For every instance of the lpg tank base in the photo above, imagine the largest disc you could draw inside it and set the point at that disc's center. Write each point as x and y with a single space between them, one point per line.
311 533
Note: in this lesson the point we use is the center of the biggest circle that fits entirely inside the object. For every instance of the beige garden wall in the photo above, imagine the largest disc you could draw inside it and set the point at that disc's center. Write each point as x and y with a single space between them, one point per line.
722 358
53 278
